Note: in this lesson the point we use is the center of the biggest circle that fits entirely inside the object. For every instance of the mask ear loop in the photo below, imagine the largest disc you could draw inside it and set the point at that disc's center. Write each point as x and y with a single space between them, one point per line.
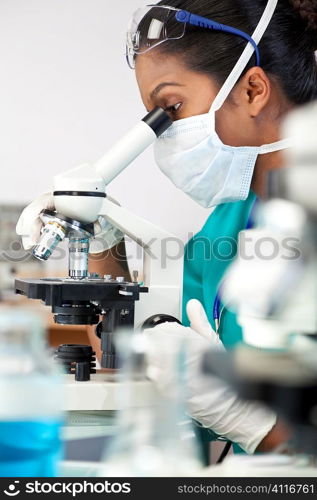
276 146
244 58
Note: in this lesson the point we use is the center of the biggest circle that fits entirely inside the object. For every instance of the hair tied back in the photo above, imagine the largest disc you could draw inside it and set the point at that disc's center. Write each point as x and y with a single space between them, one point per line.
307 10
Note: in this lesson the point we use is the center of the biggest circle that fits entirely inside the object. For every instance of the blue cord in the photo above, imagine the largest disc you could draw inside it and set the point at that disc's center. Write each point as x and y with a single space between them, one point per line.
216 311
183 16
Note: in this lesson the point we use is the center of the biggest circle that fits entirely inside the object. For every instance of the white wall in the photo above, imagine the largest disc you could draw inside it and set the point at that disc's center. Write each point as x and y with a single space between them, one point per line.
66 93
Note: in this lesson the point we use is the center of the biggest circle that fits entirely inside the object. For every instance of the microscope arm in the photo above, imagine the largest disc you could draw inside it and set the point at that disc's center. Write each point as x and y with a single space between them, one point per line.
163 262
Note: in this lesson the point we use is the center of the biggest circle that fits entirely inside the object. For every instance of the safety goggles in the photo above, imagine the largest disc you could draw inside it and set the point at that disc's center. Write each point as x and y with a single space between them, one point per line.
153 25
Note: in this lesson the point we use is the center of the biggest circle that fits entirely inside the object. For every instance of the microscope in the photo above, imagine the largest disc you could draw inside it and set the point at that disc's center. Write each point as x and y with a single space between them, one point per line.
107 302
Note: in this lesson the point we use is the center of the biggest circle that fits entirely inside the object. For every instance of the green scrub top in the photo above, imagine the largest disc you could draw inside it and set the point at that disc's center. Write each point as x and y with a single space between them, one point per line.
207 257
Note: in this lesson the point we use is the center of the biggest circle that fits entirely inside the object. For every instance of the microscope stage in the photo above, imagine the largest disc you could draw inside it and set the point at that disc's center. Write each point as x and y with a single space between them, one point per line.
58 291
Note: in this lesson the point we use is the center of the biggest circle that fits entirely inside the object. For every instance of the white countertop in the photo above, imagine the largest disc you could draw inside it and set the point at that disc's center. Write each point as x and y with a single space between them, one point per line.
105 392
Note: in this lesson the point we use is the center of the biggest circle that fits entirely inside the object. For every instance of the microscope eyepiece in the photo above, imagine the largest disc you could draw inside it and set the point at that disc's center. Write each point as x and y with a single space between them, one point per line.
158 120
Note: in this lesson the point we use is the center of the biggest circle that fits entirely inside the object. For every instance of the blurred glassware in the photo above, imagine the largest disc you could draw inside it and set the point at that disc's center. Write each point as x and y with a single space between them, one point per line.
30 399
156 440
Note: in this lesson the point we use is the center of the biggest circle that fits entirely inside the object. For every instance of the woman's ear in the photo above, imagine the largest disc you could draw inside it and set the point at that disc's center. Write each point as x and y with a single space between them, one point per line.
255 87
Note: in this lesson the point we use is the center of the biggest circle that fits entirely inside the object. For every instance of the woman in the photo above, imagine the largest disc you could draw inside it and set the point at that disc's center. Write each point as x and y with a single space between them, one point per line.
183 69
185 74
189 73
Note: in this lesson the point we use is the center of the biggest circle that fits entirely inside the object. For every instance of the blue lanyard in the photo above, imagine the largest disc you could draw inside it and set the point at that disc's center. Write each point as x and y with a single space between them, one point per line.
217 302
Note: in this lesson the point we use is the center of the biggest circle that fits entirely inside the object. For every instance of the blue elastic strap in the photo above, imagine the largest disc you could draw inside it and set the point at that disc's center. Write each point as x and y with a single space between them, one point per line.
183 16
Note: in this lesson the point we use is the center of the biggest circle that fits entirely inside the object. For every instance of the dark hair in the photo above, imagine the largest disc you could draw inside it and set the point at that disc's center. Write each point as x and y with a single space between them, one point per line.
287 49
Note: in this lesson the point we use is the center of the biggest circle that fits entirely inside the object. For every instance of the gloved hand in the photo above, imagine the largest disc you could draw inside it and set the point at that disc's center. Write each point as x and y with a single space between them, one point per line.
29 226
209 400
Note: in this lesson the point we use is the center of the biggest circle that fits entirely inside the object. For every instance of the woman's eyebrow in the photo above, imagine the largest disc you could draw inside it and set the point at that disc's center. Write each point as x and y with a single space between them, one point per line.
162 85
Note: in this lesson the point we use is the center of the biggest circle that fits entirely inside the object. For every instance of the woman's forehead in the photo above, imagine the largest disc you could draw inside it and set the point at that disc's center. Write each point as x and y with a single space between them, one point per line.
154 64
153 70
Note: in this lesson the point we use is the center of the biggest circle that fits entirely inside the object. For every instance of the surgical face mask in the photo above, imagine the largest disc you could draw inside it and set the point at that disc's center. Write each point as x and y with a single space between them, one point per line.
192 155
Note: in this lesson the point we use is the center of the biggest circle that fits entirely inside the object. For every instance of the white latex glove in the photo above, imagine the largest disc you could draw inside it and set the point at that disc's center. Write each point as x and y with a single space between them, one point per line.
209 400
29 226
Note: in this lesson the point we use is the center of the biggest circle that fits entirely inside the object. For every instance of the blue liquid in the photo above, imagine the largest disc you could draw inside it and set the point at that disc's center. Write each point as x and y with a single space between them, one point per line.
30 448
